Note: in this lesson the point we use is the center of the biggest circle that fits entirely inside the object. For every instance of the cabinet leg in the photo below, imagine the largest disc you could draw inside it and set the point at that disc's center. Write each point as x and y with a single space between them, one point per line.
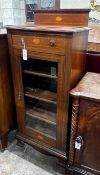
3 142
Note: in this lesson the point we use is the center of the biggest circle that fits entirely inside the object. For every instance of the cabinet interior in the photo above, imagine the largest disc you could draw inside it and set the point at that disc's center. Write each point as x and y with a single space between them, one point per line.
40 93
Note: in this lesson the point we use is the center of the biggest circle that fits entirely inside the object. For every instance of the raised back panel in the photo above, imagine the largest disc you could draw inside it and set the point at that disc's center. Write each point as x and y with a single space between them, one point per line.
68 17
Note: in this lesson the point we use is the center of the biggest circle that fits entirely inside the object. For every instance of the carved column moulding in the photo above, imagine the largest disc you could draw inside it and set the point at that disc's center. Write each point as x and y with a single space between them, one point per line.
74 125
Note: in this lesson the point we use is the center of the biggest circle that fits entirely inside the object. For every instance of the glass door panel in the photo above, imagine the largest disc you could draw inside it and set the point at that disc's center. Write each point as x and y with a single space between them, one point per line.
40 91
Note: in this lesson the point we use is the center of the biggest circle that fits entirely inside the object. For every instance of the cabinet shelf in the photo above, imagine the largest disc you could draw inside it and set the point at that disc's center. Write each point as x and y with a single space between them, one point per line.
41 74
43 95
41 127
42 114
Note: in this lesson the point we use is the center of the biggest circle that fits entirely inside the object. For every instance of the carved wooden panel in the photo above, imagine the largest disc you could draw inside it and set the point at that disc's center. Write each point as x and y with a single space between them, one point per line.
84 154
89 128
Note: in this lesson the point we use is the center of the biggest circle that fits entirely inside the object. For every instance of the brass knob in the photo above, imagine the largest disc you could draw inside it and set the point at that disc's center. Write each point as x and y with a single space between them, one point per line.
52 43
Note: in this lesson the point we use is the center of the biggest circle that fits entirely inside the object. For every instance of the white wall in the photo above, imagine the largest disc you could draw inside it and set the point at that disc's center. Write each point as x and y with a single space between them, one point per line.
0 12
12 12
74 4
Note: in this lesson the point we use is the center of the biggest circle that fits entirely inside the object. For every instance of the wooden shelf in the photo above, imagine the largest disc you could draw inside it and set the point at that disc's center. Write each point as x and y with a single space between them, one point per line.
40 74
43 95
45 129
42 114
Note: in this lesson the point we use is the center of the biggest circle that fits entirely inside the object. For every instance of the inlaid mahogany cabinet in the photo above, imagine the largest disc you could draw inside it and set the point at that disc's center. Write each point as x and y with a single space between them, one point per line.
42 78
84 155
6 92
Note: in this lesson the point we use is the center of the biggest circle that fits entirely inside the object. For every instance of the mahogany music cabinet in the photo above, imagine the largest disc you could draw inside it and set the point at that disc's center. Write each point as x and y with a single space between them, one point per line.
6 93
52 62
84 154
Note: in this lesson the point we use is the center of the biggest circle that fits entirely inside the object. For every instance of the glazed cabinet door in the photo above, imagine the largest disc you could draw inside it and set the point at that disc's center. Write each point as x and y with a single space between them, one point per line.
88 155
38 86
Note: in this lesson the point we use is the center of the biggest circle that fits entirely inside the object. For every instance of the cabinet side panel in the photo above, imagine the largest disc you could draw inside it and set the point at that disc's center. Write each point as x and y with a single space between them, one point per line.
17 83
6 90
62 108
78 57
63 96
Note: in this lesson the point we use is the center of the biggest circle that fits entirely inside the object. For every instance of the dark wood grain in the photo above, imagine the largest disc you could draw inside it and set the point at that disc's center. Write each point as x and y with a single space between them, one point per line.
68 17
6 93
88 127
40 29
42 44
41 74
74 125
93 61
42 146
87 158
63 11
45 128
42 95
69 56
3 141
42 112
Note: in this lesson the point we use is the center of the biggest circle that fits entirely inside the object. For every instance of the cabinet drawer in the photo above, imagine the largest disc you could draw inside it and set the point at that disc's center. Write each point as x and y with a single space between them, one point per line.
48 44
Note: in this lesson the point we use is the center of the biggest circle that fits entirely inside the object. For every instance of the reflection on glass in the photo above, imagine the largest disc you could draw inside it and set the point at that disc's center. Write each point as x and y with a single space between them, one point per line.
47 4
32 5
40 91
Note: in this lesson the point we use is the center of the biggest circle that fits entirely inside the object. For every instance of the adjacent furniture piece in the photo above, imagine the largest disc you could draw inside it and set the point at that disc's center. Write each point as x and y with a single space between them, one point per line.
94 46
94 38
93 61
42 78
84 154
6 92
93 49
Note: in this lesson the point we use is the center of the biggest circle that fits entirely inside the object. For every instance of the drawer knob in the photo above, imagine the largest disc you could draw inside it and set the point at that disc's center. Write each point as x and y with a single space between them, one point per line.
52 43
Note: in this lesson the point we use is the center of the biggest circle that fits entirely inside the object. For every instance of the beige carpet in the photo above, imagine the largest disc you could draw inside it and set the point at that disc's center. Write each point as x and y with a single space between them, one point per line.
11 164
